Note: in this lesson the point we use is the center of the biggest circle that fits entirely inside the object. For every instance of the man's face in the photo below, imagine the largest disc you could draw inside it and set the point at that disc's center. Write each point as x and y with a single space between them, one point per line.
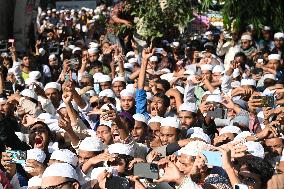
187 119
84 156
105 85
26 61
273 64
93 57
158 107
61 182
52 95
216 76
85 81
245 44
11 77
168 135
127 102
274 146
38 136
117 87
185 163
53 62
155 129
206 74
139 131
104 133
97 69
279 95
278 42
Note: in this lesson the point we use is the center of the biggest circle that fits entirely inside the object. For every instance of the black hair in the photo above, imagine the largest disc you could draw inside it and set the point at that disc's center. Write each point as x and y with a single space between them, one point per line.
165 98
258 166
166 85
32 136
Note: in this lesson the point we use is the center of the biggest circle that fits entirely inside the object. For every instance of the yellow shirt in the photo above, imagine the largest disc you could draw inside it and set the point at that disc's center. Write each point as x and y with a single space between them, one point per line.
25 75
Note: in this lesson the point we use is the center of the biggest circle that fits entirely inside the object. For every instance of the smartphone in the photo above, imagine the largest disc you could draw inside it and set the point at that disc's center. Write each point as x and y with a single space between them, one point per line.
266 101
214 158
240 186
217 113
17 156
146 170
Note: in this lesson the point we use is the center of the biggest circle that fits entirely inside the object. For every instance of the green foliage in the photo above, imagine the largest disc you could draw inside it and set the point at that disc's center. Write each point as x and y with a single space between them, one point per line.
157 18
238 14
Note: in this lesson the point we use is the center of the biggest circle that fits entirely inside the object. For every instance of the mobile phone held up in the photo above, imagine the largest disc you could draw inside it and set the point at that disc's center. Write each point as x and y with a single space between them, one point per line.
266 101
17 156
214 158
146 170
240 186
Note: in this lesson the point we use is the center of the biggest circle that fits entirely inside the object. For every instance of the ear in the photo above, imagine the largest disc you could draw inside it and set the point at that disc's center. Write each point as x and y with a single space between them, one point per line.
76 185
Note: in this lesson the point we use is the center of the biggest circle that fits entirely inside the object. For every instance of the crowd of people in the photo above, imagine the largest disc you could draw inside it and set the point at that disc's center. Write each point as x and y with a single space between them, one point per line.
86 108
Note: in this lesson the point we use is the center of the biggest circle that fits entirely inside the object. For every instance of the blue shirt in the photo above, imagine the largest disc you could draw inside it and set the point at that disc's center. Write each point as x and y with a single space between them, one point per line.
141 103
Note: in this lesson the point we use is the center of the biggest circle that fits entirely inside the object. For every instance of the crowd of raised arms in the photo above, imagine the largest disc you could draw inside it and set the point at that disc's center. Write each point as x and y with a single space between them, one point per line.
85 108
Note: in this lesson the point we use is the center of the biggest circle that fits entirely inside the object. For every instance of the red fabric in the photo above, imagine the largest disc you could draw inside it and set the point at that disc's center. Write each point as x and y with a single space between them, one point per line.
5 181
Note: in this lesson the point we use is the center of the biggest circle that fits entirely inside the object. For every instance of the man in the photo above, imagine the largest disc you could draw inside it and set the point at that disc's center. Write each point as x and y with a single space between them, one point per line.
104 132
105 82
60 175
279 43
52 92
118 84
187 115
170 130
247 45
127 101
275 148
140 129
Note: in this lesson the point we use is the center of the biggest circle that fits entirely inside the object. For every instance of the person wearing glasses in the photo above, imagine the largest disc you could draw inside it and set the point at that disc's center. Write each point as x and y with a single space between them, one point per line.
60 175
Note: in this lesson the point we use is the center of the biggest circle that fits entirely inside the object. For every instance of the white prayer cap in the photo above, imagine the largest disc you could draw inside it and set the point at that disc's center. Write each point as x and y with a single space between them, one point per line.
250 82
269 76
94 45
189 72
214 98
66 156
246 37
104 78
128 66
218 68
34 182
278 35
93 50
130 53
34 75
122 79
106 123
180 89
41 51
192 130
106 107
53 10
190 107
71 47
60 170
155 119
266 28
235 84
230 129
130 87
97 77
119 148
92 144
206 67
132 60
274 57
140 117
126 93
150 96
52 56
242 136
176 44
48 12
76 49
202 136
63 105
98 170
29 93
53 85
193 148
12 70
107 93
36 154
208 33
255 149
171 122
153 59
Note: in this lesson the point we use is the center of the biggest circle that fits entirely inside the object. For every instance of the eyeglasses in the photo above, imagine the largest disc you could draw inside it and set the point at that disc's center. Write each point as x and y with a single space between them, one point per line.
58 186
